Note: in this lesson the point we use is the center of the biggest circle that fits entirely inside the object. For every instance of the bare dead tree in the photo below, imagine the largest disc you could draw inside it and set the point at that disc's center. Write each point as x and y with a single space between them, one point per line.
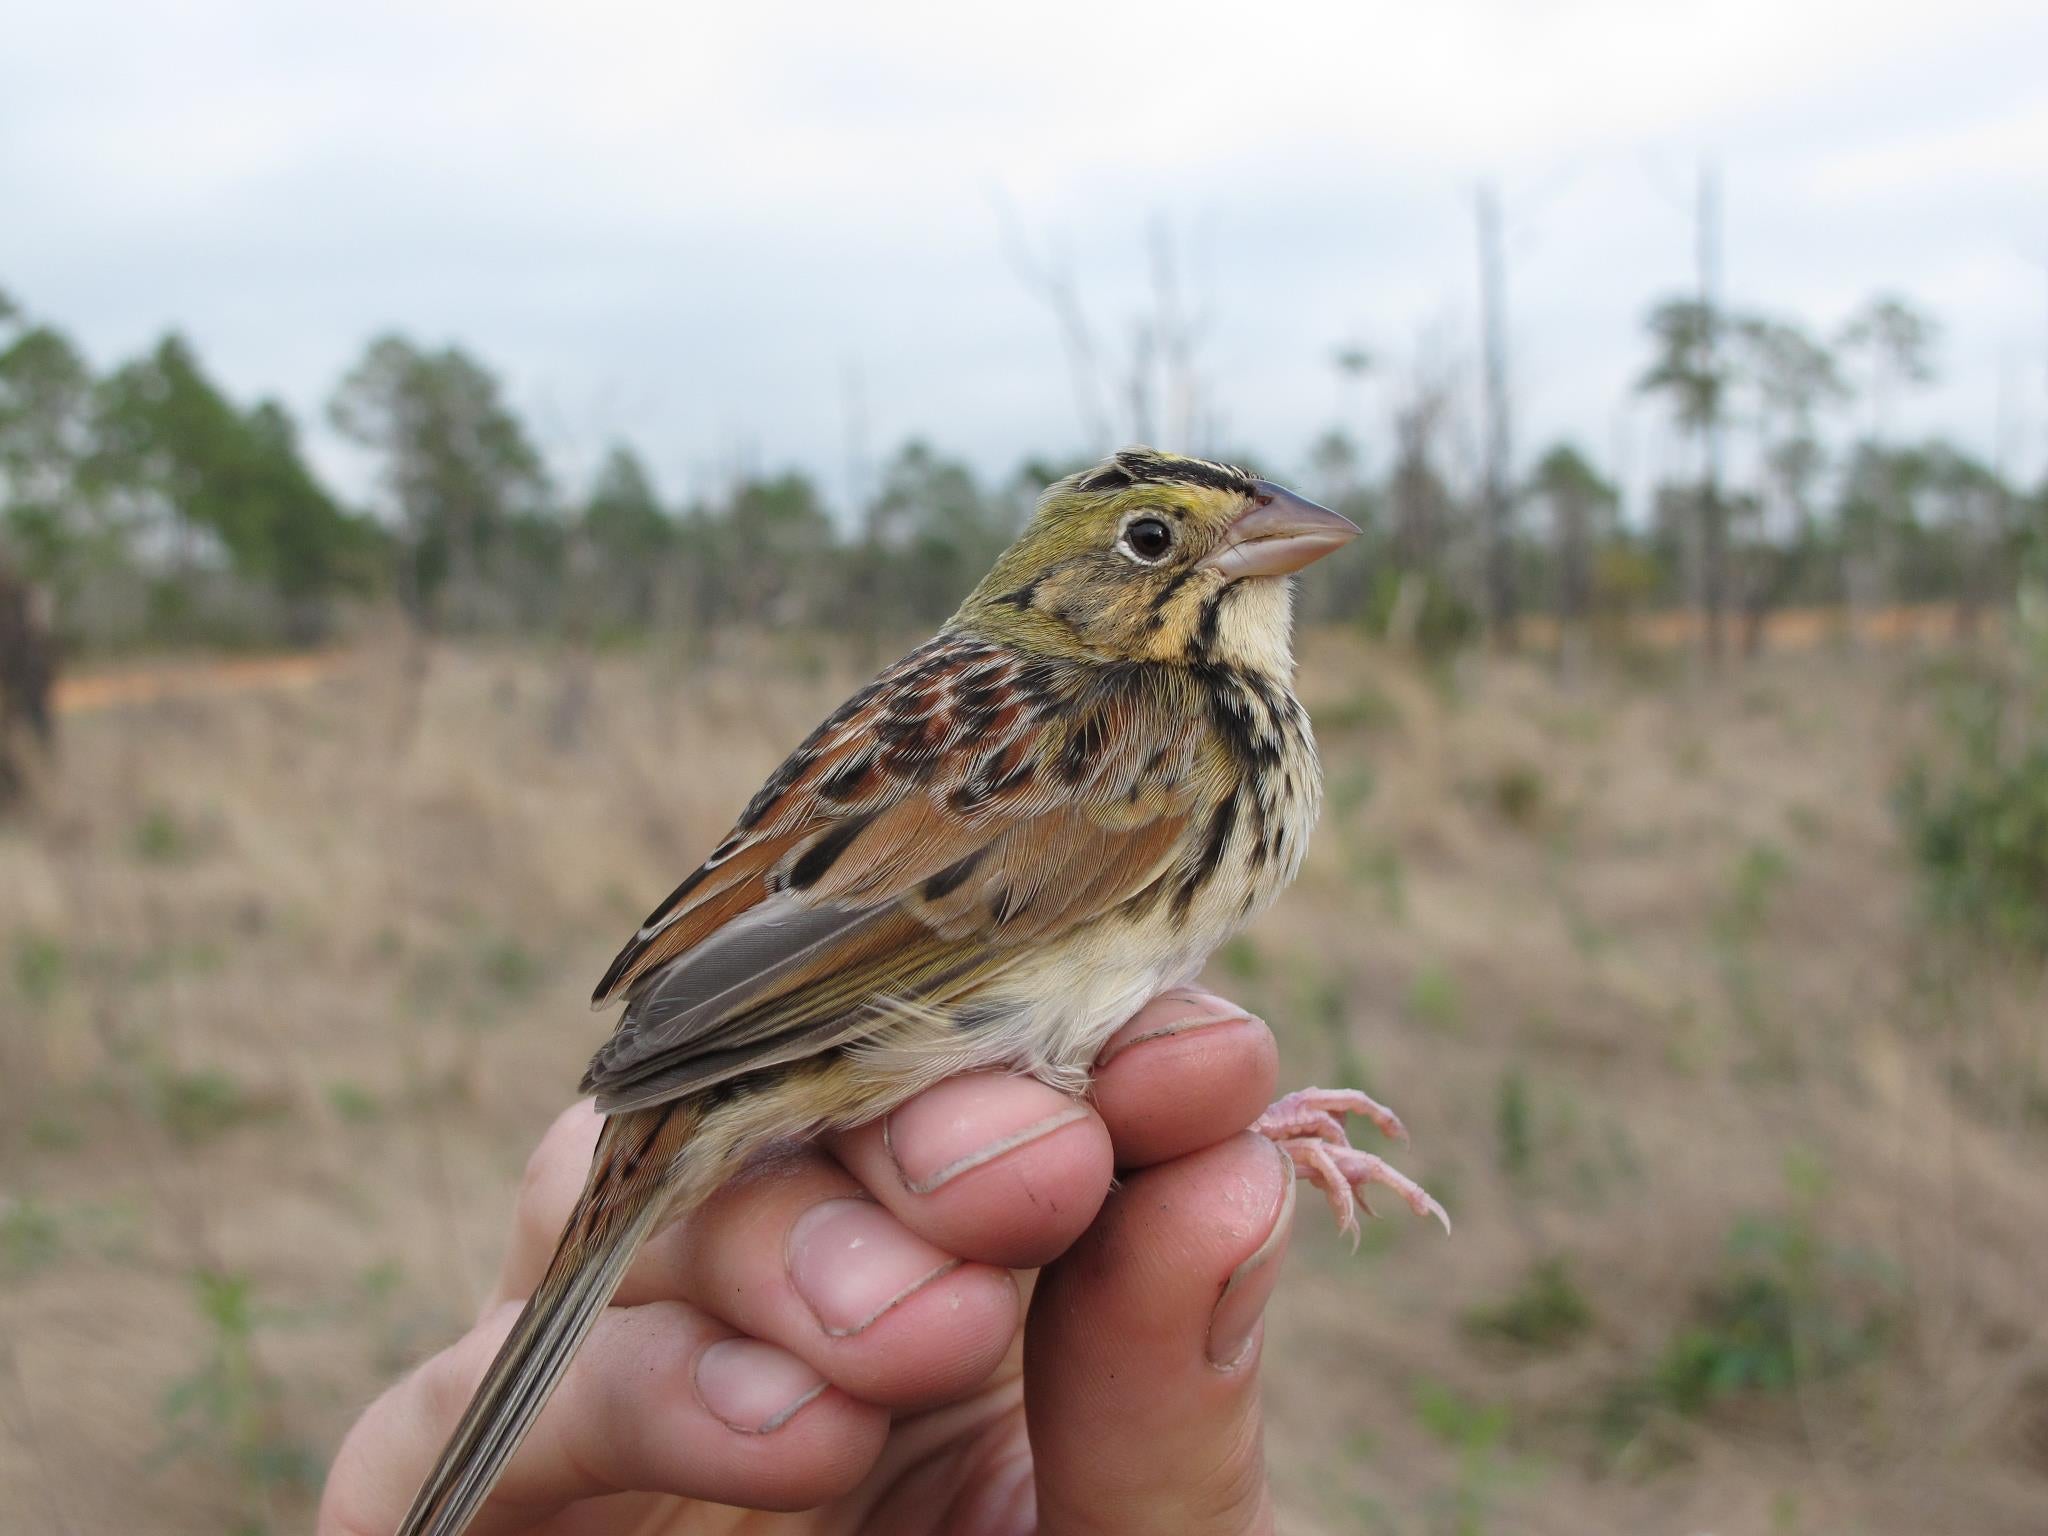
1050 279
1178 332
1497 491
1159 381
1713 509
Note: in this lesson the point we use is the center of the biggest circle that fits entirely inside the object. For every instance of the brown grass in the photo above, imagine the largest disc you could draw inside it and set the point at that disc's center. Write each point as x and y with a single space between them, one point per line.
293 978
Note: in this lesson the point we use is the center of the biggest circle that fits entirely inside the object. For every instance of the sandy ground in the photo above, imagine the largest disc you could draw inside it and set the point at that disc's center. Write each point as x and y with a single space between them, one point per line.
293 976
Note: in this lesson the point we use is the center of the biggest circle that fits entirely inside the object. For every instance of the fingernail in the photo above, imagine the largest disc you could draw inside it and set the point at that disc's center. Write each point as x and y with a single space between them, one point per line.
965 1122
851 1261
753 1387
1233 1326
1178 1012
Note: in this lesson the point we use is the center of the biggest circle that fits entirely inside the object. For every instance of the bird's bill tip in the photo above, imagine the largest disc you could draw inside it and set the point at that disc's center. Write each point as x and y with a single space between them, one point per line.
1281 533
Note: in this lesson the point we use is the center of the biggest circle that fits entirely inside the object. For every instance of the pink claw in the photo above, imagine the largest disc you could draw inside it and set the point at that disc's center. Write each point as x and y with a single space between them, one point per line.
1305 1126
1327 1103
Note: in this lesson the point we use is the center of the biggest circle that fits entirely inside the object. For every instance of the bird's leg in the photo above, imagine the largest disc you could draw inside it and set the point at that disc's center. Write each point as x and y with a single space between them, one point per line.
1306 1126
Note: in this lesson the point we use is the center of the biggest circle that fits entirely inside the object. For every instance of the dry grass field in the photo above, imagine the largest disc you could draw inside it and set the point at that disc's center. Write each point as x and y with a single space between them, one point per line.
1747 1167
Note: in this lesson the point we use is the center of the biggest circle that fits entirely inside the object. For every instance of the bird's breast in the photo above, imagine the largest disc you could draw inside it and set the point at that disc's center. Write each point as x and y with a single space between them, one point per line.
1055 1004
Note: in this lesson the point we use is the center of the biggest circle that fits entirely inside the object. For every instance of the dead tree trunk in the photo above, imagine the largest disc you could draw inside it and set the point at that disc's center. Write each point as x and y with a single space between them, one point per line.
1713 508
28 676
1497 494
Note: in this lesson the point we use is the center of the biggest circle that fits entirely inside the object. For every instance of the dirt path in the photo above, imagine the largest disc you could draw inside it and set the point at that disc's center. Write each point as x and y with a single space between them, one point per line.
1791 629
88 692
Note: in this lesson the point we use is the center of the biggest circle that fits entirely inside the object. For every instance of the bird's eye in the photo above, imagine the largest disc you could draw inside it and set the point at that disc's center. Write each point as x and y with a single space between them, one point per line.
1149 539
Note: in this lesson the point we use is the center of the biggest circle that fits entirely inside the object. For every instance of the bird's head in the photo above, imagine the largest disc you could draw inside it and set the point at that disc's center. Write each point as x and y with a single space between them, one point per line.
1153 557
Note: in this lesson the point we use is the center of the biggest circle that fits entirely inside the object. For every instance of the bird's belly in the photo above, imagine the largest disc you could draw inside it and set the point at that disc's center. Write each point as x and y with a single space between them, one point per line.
1051 1012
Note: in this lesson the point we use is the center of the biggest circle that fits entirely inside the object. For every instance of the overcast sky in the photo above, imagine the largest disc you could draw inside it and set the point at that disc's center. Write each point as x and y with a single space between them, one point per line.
691 226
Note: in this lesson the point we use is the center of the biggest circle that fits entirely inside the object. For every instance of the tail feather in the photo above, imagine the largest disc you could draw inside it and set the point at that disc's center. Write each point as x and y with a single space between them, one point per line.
623 1200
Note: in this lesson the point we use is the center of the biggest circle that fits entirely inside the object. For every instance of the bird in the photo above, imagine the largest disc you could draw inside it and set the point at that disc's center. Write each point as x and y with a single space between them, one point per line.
990 857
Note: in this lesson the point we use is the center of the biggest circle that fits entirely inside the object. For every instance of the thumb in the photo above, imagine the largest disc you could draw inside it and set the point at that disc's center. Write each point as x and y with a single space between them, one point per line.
1142 1355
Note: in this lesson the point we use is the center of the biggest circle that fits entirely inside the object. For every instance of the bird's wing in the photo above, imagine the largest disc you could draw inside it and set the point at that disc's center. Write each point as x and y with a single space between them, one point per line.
969 801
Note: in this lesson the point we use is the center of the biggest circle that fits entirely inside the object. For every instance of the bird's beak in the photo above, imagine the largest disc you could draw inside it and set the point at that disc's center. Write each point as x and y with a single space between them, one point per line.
1282 532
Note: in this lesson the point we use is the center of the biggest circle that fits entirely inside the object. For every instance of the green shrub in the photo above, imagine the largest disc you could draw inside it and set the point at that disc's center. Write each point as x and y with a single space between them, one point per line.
1517 792
1434 1000
38 967
230 1407
30 1236
510 967
1429 614
353 1102
1514 1124
1786 1308
160 838
198 1106
1758 874
1547 1311
1979 831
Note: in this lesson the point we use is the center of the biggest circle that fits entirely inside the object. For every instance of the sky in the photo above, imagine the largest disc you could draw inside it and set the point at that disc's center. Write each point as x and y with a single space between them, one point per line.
768 235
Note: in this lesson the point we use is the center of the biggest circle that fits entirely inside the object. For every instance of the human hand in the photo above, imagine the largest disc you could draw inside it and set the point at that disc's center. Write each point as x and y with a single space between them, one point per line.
845 1331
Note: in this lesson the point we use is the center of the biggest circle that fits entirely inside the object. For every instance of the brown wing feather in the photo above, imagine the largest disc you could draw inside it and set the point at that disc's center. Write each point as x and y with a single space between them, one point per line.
968 801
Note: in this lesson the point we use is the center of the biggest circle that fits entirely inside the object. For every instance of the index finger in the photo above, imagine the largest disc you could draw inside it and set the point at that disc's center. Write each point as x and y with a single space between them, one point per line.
1189 1070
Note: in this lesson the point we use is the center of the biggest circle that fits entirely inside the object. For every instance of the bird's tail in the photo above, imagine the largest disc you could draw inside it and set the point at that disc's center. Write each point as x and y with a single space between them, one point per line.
624 1198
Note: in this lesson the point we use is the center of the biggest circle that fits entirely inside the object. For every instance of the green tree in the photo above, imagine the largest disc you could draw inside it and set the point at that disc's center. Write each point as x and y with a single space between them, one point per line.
779 543
1971 510
1690 371
1792 377
1895 340
457 465
930 535
46 433
233 487
1581 506
1893 344
631 537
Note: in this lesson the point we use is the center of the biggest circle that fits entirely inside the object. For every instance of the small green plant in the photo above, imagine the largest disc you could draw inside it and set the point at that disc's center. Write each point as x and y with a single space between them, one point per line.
1381 868
1352 787
230 1407
1514 1124
1546 1312
1979 828
1460 1422
1477 1432
160 837
1241 959
1368 709
38 968
198 1106
510 967
353 1102
1759 873
1517 792
30 1236
1786 1308
1433 998
1738 921
52 1130
1421 610
1325 1002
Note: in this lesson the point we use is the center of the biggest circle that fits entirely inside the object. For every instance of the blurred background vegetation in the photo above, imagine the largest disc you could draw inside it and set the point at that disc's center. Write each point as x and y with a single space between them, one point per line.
154 510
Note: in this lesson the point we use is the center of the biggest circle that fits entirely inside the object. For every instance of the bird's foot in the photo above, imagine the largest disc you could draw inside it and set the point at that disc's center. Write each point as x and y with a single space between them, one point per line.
1308 1128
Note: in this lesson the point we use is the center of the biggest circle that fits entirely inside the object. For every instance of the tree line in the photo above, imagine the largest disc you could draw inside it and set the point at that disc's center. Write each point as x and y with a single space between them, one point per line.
151 507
